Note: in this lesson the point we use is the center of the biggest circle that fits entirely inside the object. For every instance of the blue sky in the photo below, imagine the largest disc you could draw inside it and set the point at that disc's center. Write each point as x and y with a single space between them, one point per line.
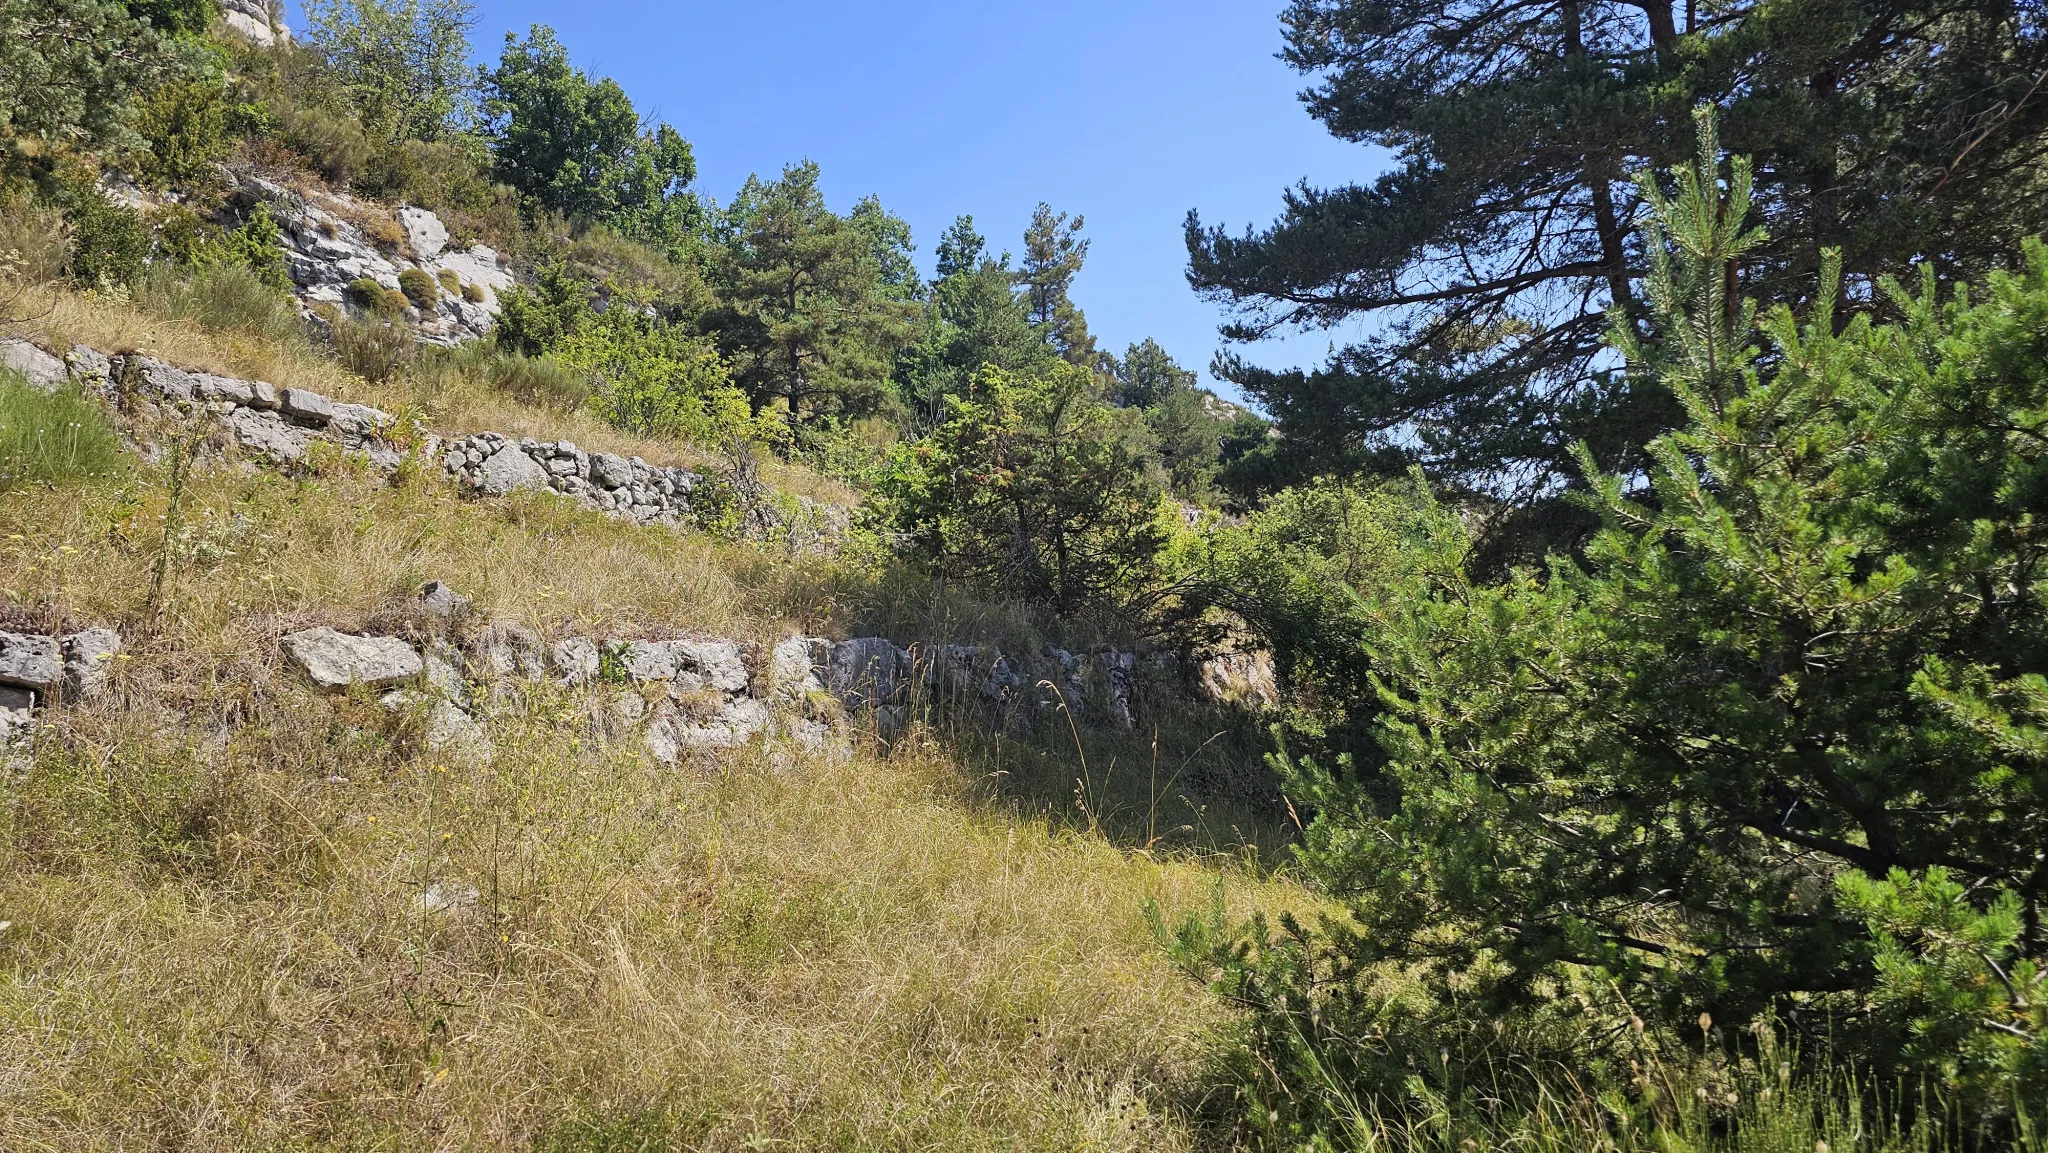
1128 112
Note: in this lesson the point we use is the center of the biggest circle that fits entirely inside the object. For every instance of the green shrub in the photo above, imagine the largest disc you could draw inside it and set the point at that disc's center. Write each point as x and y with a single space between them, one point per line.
53 438
109 241
364 292
450 283
473 293
332 144
224 298
185 127
256 246
374 298
419 287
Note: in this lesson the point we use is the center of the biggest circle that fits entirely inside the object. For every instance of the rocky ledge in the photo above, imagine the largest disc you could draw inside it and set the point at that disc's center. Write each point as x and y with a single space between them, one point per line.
39 670
685 697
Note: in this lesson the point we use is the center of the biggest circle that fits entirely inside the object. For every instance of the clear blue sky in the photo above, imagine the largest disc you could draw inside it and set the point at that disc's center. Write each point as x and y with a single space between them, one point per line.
1128 112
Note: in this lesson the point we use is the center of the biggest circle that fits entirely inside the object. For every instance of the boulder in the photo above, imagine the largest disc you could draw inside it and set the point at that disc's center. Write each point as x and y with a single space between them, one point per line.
509 470
717 665
423 231
337 660
156 380
794 668
35 663
443 603
609 471
267 435
44 372
576 660
309 408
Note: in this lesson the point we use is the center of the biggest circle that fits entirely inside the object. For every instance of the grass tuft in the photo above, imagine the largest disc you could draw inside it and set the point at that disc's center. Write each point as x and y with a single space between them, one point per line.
53 438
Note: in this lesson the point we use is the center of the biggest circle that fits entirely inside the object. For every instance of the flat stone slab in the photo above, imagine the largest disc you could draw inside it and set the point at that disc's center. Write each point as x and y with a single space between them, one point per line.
44 372
336 660
32 662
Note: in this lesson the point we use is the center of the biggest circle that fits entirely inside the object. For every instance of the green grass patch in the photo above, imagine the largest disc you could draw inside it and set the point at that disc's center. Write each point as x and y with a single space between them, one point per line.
53 438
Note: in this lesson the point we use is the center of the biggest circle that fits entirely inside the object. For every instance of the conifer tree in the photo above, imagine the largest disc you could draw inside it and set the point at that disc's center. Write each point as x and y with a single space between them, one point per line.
807 318
1053 255
1774 745
1485 262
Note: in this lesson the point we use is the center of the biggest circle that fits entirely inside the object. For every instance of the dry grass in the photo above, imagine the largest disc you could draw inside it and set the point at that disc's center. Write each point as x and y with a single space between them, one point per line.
212 880
218 942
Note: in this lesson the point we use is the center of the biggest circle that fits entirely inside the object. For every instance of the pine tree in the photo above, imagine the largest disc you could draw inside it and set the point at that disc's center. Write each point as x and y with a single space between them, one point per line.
1053 255
1732 759
808 317
1485 262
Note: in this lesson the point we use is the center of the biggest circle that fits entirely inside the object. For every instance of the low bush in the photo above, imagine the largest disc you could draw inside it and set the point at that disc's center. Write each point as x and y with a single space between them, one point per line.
473 293
36 240
450 283
53 438
109 242
536 380
419 288
185 126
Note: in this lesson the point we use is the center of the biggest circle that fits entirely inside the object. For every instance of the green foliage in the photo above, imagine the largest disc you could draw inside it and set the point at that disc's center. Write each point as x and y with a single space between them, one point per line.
176 17
419 287
109 241
257 246
70 71
654 379
1953 969
575 145
534 319
1029 488
806 315
184 130
1809 654
403 65
224 298
1053 255
378 349
1146 375
537 380
53 437
1481 263
973 317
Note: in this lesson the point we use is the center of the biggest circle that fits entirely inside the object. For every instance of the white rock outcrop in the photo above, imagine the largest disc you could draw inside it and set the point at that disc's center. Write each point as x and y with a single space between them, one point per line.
334 660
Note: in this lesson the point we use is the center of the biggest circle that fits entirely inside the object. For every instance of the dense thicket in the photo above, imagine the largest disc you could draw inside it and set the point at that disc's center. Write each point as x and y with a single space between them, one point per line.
1486 260
1770 751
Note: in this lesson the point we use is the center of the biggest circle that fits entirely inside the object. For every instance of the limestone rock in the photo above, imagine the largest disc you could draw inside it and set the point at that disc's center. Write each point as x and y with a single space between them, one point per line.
266 434
868 672
337 660
576 660
423 231
34 663
155 380
794 668
308 408
44 372
89 660
718 664
509 470
443 603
